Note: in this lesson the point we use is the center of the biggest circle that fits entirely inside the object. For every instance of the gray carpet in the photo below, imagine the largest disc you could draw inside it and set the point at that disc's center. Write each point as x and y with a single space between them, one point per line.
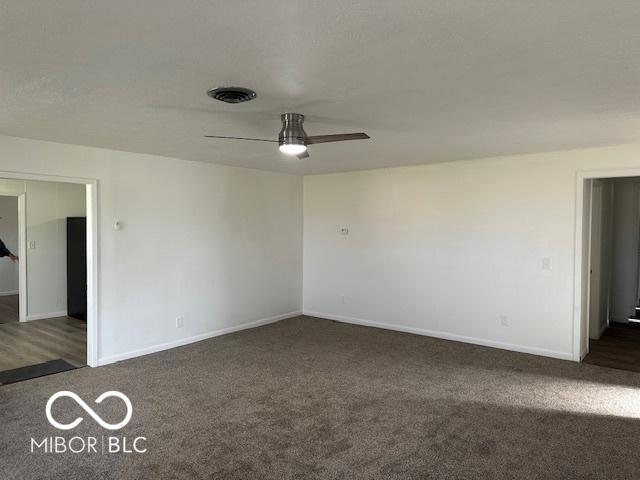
309 398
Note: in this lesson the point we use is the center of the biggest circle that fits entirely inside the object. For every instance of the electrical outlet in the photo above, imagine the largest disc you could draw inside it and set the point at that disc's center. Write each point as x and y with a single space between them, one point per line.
343 299
547 264
504 320
179 322
343 230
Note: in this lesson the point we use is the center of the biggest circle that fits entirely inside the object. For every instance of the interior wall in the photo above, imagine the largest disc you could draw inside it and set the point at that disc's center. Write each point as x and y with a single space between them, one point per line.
479 251
608 190
604 270
584 267
626 241
9 235
457 249
219 246
48 205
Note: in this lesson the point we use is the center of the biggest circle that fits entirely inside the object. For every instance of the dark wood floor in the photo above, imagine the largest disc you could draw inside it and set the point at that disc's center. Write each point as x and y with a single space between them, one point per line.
8 309
618 347
37 341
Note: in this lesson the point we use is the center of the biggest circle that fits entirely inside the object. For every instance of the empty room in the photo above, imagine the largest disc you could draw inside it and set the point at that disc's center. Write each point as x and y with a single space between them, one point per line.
319 240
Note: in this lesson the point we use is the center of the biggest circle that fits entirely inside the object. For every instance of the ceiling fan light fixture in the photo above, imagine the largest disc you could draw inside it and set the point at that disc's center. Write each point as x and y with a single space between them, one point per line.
293 140
292 148
292 136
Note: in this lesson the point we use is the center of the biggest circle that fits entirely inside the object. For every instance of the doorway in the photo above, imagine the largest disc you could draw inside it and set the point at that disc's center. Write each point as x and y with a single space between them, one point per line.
610 271
57 314
9 271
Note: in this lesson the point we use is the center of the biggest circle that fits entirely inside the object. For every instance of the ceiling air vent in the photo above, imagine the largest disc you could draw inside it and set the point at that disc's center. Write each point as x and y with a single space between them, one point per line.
232 94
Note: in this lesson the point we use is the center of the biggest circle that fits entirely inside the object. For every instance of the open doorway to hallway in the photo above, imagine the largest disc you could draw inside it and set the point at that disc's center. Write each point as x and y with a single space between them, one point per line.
43 318
614 271
9 272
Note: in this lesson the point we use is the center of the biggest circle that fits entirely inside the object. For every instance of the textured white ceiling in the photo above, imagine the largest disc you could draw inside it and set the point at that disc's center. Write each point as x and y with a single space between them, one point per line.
430 81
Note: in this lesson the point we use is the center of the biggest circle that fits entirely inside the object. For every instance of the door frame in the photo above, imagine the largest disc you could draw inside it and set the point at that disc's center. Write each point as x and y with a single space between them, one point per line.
582 256
91 185
596 183
22 235
636 202
22 254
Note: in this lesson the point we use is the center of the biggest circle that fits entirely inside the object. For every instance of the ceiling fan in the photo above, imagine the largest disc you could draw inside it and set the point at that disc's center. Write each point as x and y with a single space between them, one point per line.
293 140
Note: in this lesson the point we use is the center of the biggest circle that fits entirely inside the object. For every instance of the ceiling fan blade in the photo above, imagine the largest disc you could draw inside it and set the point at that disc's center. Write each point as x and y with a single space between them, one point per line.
241 138
340 137
303 155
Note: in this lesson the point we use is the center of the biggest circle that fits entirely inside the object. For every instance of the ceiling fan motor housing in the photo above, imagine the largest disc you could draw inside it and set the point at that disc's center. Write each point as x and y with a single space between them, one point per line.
292 132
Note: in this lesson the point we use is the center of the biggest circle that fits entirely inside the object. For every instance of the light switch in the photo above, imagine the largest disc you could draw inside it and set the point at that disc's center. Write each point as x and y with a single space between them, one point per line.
546 263
32 245
343 230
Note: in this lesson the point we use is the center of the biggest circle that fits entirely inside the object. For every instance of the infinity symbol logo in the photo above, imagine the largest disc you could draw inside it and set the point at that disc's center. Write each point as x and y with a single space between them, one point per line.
89 410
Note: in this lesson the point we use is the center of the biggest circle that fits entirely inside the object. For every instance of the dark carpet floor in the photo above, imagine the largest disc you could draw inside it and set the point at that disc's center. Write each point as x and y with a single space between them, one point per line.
308 398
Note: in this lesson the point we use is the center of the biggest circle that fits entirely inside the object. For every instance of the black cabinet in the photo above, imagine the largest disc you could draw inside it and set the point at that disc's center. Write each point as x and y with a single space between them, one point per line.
77 267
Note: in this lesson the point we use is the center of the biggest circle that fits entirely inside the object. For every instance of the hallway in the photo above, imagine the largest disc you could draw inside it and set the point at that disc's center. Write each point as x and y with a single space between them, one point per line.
618 347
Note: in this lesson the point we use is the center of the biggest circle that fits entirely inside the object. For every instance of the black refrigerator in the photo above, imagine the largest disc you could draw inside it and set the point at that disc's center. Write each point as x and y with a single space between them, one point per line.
77 267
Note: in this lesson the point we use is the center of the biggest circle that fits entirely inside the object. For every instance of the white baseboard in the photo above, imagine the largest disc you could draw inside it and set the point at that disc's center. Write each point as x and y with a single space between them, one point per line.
6 294
444 335
195 338
42 316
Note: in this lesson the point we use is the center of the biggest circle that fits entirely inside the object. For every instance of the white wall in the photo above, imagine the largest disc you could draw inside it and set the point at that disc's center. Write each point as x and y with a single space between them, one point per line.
220 246
584 268
626 228
48 205
601 268
447 249
607 253
9 235
443 249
